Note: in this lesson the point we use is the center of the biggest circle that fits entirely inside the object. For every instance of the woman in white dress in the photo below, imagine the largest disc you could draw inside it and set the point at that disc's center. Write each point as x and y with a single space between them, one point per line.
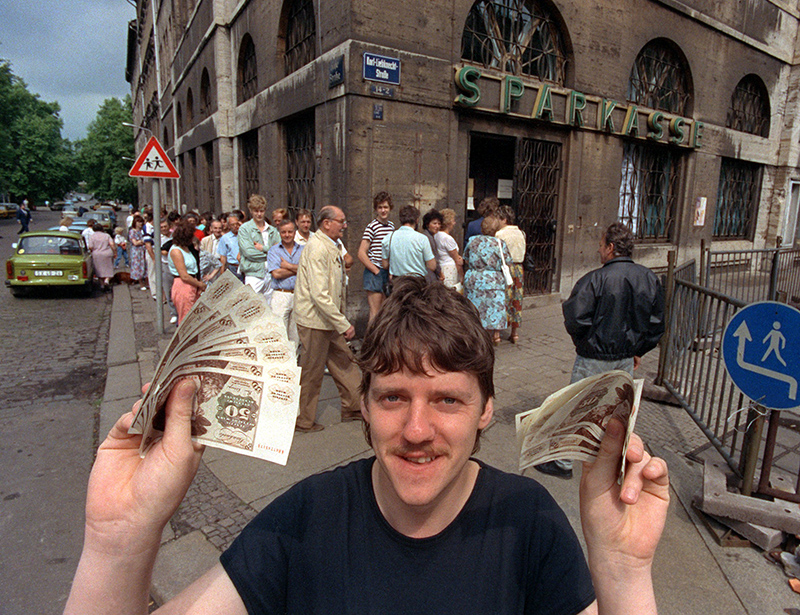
450 261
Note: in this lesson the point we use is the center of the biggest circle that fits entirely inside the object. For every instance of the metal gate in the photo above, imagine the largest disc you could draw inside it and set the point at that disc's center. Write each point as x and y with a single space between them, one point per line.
536 179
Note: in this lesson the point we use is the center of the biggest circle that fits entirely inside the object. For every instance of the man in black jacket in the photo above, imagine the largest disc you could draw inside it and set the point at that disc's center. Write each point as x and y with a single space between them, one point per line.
614 315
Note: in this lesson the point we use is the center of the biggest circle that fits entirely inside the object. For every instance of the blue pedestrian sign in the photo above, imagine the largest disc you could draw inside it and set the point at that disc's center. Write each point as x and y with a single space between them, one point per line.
761 351
381 68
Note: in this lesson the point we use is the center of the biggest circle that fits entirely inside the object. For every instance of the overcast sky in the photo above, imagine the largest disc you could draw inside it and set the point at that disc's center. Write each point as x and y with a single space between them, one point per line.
70 51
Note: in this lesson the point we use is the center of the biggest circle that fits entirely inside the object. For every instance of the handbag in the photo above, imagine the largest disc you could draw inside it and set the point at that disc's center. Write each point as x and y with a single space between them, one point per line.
506 269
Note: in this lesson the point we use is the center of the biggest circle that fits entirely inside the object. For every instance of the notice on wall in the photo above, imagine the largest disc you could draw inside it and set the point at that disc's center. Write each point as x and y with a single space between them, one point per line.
700 211
471 193
505 188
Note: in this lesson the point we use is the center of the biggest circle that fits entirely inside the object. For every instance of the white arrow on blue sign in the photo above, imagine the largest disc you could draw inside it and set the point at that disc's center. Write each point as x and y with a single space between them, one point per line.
761 351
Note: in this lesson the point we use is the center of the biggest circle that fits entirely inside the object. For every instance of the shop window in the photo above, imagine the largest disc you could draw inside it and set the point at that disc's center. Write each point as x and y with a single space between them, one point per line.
648 190
249 145
300 162
205 94
189 109
521 37
660 78
247 73
300 31
749 110
737 199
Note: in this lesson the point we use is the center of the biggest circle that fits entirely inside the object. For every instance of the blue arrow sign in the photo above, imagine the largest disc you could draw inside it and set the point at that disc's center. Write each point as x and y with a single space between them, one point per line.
761 351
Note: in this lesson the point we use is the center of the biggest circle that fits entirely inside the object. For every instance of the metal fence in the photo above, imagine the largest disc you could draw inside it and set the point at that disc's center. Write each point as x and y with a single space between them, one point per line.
754 275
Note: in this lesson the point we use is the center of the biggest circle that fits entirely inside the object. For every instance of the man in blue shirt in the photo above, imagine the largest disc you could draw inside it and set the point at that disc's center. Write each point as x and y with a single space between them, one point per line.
405 251
282 260
228 246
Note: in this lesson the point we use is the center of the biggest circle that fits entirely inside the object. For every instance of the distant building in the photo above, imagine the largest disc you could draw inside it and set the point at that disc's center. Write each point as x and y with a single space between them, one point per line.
677 118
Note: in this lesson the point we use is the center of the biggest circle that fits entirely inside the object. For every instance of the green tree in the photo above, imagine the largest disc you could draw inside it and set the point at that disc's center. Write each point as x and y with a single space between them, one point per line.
102 154
35 161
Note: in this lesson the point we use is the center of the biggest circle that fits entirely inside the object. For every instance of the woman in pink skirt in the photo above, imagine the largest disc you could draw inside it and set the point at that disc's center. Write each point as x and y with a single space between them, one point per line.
103 250
186 288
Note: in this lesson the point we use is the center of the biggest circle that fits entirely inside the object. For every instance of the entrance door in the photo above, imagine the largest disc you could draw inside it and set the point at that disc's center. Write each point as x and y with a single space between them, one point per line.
536 180
491 169
791 221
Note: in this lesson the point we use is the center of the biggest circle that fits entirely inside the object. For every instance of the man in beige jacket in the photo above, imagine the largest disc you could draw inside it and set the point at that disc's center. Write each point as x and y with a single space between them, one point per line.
321 324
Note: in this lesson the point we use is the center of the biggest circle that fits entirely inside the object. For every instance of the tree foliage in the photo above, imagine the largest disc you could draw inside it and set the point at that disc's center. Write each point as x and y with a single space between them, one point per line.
104 155
35 161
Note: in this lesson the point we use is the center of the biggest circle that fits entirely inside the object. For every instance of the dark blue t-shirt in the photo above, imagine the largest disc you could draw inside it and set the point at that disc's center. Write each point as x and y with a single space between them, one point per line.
324 547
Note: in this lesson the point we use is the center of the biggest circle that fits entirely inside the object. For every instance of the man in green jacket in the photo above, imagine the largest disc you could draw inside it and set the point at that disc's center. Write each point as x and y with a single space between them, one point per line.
256 237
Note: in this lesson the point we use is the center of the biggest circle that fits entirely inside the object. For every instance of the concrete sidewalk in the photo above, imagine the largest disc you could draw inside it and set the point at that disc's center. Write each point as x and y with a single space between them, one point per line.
692 573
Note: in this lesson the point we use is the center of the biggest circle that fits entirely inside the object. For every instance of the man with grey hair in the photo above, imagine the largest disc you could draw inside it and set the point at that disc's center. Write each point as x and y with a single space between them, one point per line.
321 323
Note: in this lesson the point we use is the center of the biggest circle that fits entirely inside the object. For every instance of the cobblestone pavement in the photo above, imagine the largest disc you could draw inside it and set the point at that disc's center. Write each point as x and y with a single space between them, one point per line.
54 349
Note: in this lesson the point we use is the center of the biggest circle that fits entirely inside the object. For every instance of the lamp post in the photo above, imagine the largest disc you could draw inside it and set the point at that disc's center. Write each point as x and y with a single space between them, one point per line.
156 239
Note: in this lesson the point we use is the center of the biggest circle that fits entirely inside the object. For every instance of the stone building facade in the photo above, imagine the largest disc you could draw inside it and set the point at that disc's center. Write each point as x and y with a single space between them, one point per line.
678 118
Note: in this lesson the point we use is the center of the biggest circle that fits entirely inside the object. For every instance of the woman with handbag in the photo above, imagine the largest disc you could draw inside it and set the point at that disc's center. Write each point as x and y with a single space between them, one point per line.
515 240
487 276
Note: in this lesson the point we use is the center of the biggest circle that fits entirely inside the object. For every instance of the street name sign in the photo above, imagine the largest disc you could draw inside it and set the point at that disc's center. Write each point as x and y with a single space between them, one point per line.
381 68
153 162
761 351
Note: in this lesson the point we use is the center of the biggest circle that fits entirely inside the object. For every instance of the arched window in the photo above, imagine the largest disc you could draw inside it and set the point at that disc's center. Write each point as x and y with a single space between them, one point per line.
648 192
166 138
247 72
521 37
749 110
179 118
300 33
660 78
189 109
205 94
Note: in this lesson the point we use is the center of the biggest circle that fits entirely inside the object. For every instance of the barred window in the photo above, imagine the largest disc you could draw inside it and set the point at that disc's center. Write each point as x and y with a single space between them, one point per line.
749 110
247 73
648 190
737 199
249 144
210 183
521 37
300 162
179 118
301 30
660 78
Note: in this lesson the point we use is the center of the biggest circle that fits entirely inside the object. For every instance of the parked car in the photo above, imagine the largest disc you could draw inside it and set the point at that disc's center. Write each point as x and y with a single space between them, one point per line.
100 216
49 258
58 205
110 211
8 210
78 226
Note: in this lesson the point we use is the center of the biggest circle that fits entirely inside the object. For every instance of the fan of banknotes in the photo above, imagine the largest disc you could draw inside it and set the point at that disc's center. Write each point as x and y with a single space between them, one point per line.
571 422
236 350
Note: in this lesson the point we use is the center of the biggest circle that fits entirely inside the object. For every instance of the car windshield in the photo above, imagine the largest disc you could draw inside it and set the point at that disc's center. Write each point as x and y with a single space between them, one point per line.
49 245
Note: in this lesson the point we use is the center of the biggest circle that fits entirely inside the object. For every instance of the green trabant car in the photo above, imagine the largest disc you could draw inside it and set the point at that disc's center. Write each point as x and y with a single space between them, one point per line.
49 258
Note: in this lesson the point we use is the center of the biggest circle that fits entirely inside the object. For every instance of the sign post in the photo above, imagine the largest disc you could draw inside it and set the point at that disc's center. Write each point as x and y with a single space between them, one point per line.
154 163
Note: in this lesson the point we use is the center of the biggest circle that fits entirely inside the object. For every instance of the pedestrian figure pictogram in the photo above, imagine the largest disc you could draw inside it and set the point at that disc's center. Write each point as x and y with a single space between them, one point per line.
776 342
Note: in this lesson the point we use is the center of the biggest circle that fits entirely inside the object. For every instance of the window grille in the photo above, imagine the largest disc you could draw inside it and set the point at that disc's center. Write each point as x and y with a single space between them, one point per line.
248 73
648 190
749 110
301 31
737 199
520 37
659 79
300 162
189 109
179 118
208 159
249 143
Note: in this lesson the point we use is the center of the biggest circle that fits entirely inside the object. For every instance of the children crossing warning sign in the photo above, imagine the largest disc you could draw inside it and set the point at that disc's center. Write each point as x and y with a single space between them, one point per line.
153 162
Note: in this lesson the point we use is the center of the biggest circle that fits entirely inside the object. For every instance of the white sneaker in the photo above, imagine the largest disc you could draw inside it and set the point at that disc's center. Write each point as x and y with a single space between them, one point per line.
173 320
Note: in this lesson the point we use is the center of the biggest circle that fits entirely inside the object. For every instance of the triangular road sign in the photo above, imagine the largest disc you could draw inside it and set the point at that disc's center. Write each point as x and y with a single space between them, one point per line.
153 162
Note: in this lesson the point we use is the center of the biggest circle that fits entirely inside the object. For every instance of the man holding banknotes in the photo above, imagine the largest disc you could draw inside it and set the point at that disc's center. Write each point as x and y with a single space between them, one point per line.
420 527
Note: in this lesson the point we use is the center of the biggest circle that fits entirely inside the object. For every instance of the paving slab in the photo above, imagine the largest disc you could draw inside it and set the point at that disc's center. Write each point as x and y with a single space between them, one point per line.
110 411
123 381
180 563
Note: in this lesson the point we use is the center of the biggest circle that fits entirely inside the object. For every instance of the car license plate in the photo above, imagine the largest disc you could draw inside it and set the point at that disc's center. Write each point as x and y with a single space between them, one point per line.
48 273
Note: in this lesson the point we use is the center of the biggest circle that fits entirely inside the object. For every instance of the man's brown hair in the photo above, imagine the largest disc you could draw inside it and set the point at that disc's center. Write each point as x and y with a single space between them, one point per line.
382 197
622 238
422 325
488 205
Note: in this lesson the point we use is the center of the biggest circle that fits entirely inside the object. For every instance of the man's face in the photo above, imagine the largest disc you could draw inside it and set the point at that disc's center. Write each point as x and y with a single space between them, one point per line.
382 211
258 215
216 228
287 235
334 227
606 251
192 220
304 224
277 217
164 227
234 224
423 430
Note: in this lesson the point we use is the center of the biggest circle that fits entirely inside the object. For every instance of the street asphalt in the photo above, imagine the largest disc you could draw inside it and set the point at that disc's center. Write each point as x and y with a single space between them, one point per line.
692 573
